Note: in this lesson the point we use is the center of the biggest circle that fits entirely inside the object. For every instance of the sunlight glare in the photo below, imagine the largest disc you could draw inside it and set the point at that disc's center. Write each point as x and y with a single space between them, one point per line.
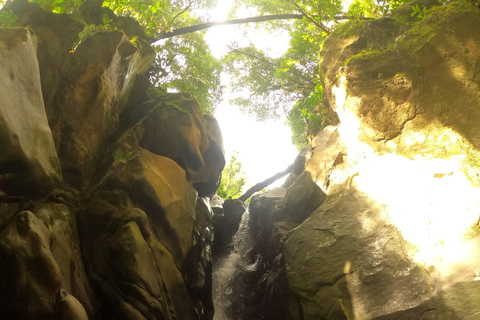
263 148
430 201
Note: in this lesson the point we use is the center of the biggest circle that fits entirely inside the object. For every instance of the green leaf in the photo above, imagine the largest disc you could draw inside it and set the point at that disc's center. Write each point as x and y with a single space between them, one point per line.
8 19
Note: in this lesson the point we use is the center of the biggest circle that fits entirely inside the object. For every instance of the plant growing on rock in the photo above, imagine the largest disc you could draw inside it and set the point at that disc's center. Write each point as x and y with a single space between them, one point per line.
7 19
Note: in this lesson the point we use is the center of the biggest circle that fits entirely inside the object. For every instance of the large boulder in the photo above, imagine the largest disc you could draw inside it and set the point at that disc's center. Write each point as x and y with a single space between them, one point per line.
150 186
31 280
208 179
397 89
28 161
134 274
176 130
301 199
346 261
225 226
153 235
58 215
327 152
197 269
100 69
158 186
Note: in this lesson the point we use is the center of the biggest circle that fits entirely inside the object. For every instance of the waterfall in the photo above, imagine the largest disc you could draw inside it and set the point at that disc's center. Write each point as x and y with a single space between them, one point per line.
226 270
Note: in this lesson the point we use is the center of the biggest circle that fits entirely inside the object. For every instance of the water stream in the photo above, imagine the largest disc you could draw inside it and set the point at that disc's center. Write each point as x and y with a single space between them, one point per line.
226 269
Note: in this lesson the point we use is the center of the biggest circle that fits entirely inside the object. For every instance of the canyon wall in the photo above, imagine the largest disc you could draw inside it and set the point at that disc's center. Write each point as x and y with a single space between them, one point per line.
105 180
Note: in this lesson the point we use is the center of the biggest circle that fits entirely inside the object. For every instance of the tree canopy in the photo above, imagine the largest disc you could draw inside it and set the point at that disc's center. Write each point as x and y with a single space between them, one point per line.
290 84
265 86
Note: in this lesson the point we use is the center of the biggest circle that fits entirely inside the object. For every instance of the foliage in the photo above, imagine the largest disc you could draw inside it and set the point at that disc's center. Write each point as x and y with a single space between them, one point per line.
420 13
160 15
233 180
8 19
255 71
60 6
316 11
290 84
373 8
274 83
90 29
307 117
185 64
266 87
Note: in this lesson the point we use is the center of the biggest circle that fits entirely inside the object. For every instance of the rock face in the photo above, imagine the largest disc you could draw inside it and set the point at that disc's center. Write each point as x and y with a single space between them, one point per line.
30 274
226 226
105 181
379 219
28 161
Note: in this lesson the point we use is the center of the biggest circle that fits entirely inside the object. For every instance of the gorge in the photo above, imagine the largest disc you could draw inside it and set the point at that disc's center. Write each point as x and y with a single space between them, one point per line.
107 183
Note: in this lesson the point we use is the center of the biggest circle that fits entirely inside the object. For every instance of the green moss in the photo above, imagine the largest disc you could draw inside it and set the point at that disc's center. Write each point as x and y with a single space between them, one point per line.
123 155
365 55
384 37
350 28
57 168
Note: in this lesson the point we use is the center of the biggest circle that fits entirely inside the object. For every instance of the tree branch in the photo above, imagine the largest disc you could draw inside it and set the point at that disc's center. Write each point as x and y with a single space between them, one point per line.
207 25
256 57
300 75
259 186
319 25
181 12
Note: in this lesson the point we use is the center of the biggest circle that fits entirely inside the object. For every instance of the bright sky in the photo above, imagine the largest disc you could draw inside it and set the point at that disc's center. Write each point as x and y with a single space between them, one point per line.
263 148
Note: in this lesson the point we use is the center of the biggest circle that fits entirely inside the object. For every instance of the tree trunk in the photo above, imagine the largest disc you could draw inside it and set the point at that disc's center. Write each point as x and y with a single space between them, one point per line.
259 186
207 25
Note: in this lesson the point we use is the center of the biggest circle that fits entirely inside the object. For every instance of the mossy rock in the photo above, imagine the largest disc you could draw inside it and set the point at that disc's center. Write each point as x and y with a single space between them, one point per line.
414 78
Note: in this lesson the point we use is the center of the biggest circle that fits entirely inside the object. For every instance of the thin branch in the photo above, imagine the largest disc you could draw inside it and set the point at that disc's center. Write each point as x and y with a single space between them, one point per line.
265 183
182 12
319 25
291 88
256 57
307 79
207 25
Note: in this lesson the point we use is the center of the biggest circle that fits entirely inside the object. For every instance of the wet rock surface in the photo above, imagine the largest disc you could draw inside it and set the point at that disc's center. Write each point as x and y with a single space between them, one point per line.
226 225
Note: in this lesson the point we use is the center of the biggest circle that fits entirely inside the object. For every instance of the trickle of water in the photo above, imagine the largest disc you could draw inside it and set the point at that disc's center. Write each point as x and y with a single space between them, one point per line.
224 271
